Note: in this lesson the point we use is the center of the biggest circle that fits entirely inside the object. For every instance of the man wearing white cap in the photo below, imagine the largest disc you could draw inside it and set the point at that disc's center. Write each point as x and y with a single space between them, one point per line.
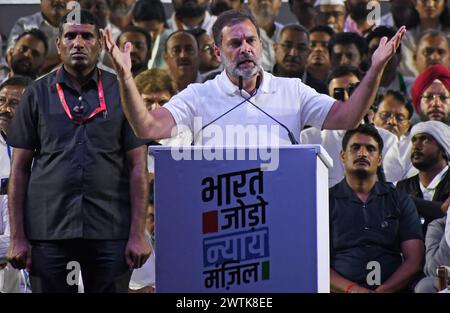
331 13
430 154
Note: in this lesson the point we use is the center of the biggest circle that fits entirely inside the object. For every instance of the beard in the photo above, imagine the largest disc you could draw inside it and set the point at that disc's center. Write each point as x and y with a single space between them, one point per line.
20 68
359 12
190 9
234 70
427 117
426 163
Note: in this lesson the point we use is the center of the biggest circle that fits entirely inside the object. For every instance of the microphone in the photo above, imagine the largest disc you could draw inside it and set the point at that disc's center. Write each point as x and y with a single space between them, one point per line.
290 134
241 86
241 83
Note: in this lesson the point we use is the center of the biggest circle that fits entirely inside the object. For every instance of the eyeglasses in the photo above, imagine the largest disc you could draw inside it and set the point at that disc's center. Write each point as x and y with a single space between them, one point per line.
176 51
289 46
386 116
431 96
339 92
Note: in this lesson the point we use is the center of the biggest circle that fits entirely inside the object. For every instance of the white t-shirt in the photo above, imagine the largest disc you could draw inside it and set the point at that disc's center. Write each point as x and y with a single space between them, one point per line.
286 99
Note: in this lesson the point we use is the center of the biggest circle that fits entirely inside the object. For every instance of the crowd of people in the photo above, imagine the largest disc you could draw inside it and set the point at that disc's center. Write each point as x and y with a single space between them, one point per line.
80 102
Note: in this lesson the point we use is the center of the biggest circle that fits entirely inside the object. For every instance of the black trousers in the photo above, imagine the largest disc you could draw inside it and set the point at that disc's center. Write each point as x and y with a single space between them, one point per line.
56 264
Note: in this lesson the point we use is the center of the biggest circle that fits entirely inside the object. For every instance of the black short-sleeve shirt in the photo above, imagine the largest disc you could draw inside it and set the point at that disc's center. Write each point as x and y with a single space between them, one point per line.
79 183
373 231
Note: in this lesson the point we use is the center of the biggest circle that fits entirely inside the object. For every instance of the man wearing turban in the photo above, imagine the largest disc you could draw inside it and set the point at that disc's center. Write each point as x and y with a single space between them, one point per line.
431 94
430 154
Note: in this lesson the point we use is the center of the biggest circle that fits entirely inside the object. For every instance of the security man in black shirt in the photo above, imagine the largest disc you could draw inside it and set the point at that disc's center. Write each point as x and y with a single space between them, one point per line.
375 235
78 186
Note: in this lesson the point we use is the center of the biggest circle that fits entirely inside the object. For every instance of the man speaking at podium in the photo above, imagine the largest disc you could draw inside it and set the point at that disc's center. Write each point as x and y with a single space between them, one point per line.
245 94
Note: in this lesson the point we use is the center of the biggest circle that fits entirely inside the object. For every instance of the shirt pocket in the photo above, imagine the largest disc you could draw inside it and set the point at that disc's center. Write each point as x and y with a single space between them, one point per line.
55 131
105 133
389 226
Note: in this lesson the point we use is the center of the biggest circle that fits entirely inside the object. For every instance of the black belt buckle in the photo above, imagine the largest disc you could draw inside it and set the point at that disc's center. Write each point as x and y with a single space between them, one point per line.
4 186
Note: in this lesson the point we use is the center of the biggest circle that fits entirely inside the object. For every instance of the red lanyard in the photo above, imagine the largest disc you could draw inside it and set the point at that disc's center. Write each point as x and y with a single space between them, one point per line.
101 98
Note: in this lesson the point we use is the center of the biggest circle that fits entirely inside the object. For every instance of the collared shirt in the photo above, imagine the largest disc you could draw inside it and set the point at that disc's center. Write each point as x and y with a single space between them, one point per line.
428 191
287 99
79 182
373 231
268 56
29 22
207 24
331 140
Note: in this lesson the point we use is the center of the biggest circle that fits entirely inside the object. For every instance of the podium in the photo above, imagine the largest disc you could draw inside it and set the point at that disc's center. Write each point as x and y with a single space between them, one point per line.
242 219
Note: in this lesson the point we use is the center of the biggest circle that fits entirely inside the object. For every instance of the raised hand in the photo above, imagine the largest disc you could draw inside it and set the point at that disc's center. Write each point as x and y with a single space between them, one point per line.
121 60
386 49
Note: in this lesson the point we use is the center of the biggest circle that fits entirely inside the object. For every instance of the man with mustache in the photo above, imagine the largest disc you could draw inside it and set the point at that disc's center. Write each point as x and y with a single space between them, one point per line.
209 64
239 47
331 13
431 94
27 56
141 47
371 222
348 49
430 154
304 12
394 113
189 14
11 90
47 20
77 159
318 62
291 52
181 56
432 48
